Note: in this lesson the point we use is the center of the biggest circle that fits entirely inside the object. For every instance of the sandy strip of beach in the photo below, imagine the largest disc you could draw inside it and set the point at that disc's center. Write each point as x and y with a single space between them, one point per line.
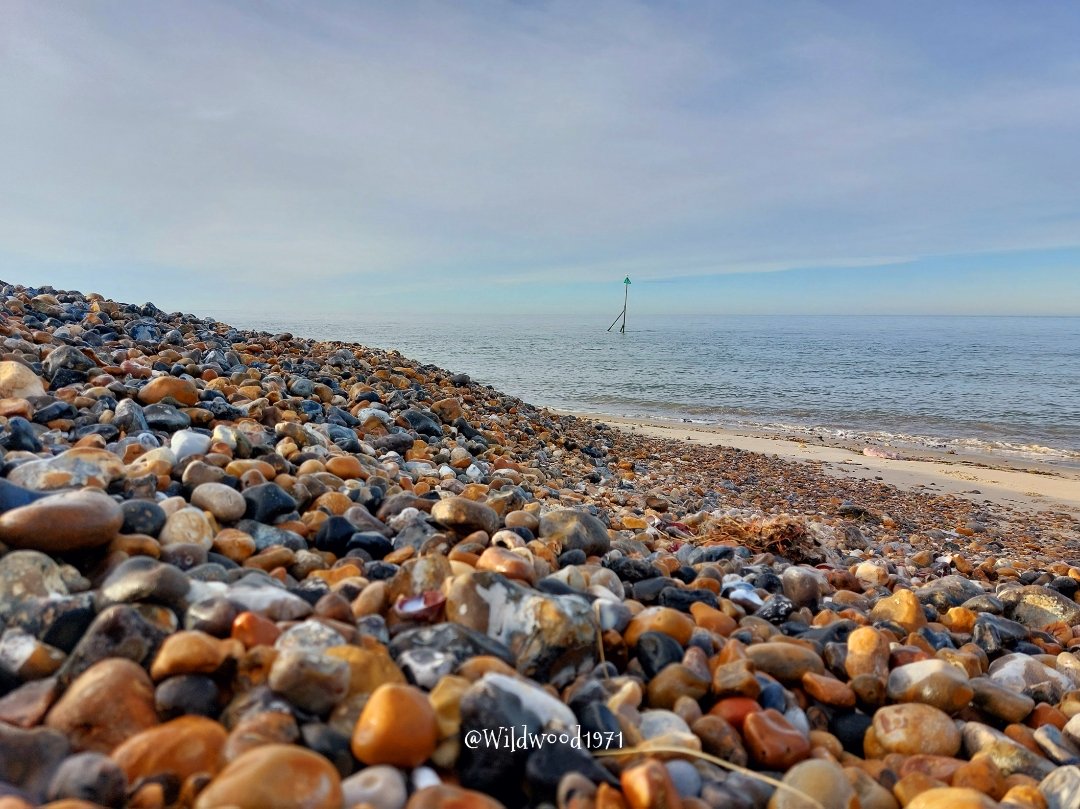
1032 488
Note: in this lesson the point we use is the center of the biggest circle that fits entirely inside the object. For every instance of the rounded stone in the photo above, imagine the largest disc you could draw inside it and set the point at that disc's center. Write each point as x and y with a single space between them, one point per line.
951 798
786 662
772 741
311 681
224 502
182 390
109 703
19 382
92 777
397 727
933 682
188 525
380 787
915 728
902 607
181 747
189 652
275 775
61 523
575 530
465 516
821 780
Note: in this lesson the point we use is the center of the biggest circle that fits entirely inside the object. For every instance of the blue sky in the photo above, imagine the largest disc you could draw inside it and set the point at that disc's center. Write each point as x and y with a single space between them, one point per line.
819 157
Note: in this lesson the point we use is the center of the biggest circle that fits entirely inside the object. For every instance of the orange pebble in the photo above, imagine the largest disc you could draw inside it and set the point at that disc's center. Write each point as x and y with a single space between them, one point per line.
397 727
252 629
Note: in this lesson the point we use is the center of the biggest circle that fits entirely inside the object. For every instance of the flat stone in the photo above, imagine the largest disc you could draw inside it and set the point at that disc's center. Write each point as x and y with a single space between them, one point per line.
81 466
141 578
1009 756
1039 607
1000 701
952 798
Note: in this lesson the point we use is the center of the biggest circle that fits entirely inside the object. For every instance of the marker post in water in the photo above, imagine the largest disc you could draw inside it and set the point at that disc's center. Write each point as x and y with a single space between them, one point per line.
622 314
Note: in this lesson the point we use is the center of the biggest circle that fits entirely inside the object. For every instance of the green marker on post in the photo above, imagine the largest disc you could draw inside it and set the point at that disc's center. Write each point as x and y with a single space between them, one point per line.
622 314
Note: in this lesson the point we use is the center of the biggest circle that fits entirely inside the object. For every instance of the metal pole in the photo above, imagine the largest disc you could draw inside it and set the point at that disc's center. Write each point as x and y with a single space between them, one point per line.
626 295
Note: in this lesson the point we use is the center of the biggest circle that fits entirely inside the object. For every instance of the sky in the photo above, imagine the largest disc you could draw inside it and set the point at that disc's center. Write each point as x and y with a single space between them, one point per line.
730 157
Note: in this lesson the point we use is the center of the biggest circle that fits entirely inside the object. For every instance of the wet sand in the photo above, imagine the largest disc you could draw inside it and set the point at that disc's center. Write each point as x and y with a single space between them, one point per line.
1026 487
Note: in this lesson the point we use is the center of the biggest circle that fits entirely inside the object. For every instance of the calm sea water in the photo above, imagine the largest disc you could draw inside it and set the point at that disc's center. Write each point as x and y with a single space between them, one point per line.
1007 385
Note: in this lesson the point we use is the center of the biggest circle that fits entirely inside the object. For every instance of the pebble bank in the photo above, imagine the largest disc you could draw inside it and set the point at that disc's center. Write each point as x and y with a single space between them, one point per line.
249 570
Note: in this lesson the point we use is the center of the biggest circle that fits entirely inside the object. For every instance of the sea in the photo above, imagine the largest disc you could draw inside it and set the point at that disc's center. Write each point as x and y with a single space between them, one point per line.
1007 387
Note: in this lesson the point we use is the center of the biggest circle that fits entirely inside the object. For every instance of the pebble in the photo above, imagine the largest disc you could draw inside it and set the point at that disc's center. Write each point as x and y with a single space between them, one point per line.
91 777
181 748
224 502
19 382
274 775
821 780
951 798
575 530
1061 788
772 741
932 682
464 515
396 727
62 523
311 681
381 787
915 728
107 704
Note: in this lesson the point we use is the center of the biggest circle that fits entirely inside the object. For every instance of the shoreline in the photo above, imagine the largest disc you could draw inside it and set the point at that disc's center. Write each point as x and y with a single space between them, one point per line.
1030 487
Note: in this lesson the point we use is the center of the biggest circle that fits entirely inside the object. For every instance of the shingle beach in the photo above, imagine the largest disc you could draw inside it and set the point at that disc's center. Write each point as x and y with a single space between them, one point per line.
249 570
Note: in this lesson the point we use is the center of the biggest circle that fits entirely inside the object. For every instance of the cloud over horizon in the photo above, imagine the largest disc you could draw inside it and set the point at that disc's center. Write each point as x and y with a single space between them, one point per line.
321 149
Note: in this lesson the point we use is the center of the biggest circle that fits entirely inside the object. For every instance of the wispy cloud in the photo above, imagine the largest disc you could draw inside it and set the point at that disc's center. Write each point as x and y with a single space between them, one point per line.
335 145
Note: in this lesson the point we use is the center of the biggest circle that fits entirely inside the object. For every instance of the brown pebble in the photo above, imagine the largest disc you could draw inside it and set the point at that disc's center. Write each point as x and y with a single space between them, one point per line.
275 775
181 747
771 740
107 704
